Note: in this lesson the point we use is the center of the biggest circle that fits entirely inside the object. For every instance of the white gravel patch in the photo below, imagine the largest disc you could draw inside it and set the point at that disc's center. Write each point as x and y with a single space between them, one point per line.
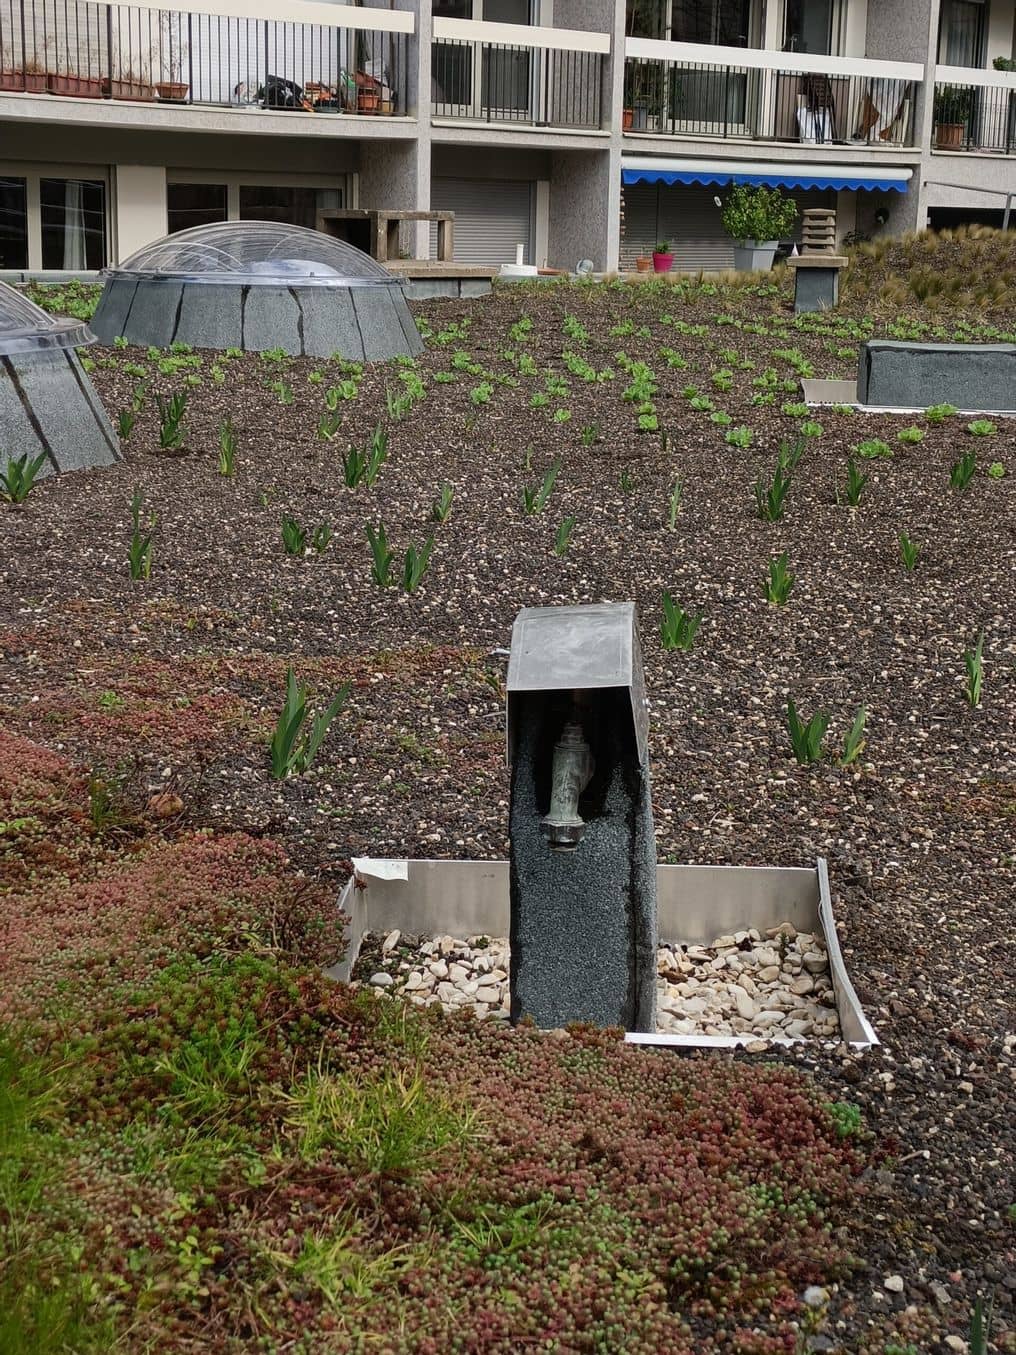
755 985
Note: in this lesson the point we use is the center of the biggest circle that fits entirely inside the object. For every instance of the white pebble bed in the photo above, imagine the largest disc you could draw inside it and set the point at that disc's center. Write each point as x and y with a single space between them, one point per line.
751 985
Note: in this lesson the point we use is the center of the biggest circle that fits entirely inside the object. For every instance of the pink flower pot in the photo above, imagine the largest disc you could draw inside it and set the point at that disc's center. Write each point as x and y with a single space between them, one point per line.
662 263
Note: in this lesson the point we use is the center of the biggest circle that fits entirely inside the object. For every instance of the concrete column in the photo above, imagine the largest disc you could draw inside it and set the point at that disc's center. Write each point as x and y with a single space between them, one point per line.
141 215
599 237
396 174
585 206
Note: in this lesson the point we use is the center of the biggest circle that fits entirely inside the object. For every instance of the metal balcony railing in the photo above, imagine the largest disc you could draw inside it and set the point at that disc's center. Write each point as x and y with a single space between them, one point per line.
751 95
517 74
976 112
92 50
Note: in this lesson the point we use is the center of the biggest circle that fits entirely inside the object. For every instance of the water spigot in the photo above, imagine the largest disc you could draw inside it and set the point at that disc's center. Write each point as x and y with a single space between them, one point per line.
571 770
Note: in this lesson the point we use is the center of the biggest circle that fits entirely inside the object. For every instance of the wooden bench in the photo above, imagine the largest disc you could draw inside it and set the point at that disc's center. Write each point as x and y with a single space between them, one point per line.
383 229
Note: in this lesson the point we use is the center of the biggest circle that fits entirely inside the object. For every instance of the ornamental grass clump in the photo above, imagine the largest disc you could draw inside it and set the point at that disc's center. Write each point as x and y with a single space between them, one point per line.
292 748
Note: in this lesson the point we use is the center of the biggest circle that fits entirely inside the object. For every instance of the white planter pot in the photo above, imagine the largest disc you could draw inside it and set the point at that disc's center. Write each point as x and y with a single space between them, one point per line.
755 256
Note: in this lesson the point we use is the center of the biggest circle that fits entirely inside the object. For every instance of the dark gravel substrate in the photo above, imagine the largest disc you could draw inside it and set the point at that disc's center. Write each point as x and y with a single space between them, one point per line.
178 679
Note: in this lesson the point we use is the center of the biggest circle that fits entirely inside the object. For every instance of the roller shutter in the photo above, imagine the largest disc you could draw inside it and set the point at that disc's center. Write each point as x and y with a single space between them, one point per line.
687 217
491 217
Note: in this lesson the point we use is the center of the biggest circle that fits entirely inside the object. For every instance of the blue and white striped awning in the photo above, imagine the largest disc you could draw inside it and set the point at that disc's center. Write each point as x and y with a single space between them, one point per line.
789 174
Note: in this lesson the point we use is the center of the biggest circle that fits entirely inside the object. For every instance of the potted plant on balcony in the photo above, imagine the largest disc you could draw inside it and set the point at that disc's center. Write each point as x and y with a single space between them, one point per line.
953 106
71 83
757 219
174 90
663 258
130 84
32 79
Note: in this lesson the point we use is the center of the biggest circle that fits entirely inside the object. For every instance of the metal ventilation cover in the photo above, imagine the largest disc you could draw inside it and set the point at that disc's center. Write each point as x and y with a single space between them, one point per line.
258 285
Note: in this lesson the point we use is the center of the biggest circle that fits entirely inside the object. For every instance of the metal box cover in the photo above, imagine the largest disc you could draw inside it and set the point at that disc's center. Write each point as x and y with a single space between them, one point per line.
579 648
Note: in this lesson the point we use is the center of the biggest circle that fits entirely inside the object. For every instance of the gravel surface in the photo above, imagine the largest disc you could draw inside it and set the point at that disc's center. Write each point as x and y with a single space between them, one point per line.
175 681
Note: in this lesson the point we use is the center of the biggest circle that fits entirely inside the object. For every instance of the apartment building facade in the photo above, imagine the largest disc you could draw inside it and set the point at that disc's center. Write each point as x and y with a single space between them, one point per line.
578 128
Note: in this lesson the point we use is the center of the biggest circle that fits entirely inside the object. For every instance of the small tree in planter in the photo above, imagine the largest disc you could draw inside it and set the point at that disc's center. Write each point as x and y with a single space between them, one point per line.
953 107
757 219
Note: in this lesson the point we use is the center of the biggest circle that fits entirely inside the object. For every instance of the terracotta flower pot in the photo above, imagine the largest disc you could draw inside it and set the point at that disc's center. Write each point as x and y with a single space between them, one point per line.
138 90
949 136
367 101
643 263
78 86
25 82
172 91
627 118
662 263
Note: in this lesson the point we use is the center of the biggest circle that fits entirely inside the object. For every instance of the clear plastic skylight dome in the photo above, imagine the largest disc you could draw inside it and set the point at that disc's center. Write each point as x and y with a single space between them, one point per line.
252 253
27 328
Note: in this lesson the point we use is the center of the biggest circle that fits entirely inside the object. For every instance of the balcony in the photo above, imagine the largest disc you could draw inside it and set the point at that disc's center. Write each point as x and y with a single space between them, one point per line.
975 111
678 89
342 60
518 75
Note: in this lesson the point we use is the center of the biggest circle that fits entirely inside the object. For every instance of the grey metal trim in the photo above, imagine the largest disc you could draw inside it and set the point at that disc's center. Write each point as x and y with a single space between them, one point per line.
696 904
854 1025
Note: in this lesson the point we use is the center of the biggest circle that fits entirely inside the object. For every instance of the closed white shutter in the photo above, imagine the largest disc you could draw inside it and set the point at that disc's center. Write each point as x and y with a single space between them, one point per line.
491 217
687 217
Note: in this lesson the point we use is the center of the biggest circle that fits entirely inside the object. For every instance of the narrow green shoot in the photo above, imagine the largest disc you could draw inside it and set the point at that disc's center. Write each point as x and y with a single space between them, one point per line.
770 499
171 429
320 536
790 453
856 482
414 565
806 739
534 497
139 553
227 447
290 754
678 628
909 551
381 570
562 539
125 422
377 455
973 661
442 505
780 582
853 745
17 481
294 538
674 504
962 471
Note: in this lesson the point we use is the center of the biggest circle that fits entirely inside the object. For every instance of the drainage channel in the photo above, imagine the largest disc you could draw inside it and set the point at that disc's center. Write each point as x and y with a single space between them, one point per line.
765 919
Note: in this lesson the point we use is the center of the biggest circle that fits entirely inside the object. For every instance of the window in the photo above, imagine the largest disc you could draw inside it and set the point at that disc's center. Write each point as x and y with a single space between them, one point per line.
195 204
269 202
812 26
13 223
726 23
961 33
73 216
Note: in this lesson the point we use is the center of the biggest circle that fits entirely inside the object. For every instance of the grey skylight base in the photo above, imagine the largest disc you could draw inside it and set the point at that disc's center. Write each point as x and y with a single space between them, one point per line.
821 393
363 324
903 375
48 405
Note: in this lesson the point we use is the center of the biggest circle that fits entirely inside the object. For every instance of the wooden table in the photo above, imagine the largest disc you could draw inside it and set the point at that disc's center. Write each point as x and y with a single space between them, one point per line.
383 227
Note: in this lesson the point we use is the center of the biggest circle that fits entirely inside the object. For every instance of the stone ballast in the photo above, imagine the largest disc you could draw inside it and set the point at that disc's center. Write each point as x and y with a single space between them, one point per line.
748 985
